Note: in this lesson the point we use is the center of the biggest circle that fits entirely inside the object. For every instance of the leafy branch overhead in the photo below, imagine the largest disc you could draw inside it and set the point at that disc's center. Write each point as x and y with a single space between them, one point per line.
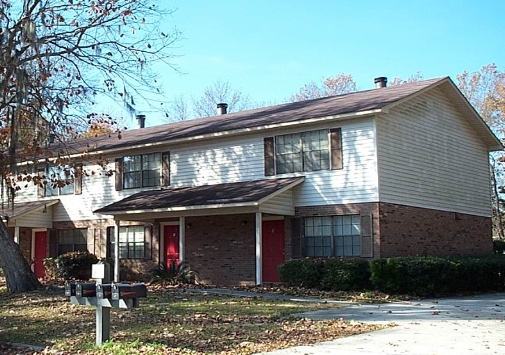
58 55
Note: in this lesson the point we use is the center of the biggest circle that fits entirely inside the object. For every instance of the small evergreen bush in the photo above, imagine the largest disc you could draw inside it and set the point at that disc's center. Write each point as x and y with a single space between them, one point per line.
174 273
75 265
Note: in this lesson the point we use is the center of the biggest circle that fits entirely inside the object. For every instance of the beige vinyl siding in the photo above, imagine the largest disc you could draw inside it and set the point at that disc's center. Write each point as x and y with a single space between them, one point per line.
219 162
40 218
280 204
356 182
429 156
241 159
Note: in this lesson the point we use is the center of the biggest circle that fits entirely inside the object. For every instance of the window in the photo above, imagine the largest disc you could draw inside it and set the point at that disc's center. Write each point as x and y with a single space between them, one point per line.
60 181
68 240
333 236
141 170
132 242
304 151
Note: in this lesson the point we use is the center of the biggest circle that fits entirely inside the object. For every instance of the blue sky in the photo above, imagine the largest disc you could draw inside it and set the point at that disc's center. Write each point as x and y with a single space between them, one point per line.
269 49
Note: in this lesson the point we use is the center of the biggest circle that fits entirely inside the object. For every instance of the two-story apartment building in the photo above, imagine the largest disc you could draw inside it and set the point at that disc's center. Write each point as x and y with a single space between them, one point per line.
386 172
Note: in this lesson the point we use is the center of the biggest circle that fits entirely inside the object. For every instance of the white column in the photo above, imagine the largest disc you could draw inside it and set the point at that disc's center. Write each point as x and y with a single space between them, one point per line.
16 235
116 251
258 249
182 239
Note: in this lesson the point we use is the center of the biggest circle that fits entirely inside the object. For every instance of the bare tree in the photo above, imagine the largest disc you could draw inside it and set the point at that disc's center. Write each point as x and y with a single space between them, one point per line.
413 78
205 105
337 85
57 57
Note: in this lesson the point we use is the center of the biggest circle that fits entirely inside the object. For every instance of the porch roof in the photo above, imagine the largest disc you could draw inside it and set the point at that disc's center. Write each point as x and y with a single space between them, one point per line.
21 209
238 194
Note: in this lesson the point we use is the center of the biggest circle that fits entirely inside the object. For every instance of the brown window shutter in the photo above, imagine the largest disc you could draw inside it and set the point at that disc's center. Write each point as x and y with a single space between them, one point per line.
336 148
118 173
41 189
148 242
165 169
53 243
78 179
297 242
268 146
366 236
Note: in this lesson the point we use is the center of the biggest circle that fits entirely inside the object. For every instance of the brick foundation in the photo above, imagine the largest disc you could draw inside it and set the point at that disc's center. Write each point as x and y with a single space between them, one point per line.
222 248
408 230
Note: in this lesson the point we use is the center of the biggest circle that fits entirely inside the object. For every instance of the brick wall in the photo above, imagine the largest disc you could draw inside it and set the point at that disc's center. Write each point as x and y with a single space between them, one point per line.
419 231
222 248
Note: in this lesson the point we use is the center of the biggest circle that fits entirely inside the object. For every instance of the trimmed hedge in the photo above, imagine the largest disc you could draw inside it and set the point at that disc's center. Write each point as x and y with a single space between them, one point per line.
420 276
75 265
302 272
429 276
326 274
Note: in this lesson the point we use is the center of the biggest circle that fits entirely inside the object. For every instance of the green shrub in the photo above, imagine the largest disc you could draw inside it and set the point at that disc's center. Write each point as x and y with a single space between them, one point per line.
346 275
499 246
302 272
75 265
429 276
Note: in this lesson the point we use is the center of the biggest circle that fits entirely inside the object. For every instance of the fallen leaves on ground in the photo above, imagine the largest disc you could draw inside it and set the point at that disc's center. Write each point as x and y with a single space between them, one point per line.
169 321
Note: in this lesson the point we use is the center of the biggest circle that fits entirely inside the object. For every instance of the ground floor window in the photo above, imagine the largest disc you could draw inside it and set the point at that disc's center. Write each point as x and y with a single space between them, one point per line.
333 236
68 240
132 242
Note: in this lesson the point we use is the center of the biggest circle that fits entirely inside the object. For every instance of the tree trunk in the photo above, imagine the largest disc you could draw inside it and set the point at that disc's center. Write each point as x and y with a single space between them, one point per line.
18 275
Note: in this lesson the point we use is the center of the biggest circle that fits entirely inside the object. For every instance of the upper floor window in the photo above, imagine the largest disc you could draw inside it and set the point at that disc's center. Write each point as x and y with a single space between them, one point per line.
61 180
143 170
304 151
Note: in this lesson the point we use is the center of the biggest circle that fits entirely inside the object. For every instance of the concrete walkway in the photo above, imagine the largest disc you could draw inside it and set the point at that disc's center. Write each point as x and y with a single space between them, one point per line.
450 326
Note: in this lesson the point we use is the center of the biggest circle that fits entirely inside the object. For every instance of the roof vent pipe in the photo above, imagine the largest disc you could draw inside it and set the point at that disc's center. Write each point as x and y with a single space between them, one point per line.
222 108
141 121
380 82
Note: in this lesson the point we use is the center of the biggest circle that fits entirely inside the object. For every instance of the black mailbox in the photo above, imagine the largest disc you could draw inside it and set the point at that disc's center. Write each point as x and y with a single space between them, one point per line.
103 291
85 290
125 291
69 289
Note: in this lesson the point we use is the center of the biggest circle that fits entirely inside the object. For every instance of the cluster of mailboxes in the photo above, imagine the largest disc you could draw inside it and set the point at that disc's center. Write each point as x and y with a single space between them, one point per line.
107 295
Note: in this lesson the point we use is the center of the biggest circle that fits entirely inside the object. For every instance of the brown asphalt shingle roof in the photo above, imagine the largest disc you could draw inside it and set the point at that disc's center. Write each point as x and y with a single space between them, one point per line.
291 112
209 195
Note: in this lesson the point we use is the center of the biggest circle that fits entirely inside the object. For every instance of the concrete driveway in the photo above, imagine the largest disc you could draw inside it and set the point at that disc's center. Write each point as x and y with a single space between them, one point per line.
447 326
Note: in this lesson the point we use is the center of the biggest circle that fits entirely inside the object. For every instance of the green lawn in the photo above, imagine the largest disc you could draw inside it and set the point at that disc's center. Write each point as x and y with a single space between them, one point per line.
169 321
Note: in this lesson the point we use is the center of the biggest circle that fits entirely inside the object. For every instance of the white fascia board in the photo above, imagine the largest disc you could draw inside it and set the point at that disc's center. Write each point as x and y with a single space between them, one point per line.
182 208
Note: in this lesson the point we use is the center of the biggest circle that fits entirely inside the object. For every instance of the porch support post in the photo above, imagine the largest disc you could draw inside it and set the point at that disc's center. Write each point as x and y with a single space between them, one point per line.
16 234
182 238
116 250
258 249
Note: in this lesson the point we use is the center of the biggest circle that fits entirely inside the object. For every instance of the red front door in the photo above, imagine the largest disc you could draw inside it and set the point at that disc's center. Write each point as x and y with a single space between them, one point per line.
171 244
40 253
272 249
